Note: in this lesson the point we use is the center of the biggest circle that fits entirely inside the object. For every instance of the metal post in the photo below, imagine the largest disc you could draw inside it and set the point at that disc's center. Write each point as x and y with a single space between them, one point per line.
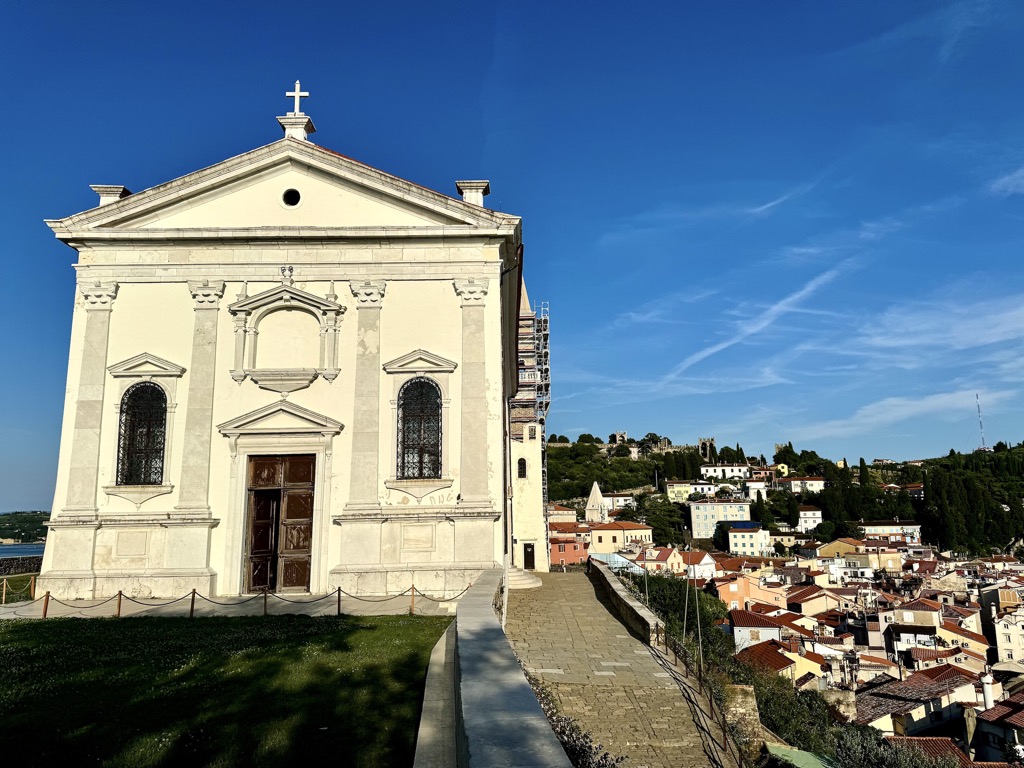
4 601
265 593
119 603
46 603
32 592
192 607
339 601
412 598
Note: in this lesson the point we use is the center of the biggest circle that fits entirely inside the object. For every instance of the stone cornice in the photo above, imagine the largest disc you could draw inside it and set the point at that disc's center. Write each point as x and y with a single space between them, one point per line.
267 235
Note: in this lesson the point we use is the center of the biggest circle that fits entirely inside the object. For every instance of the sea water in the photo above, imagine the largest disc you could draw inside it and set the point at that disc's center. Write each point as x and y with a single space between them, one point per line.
20 550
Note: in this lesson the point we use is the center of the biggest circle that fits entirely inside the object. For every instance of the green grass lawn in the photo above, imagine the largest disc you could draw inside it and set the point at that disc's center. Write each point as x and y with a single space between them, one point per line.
279 690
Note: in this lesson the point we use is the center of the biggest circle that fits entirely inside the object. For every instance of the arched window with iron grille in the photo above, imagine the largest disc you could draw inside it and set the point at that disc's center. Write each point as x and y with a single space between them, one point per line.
419 430
141 435
522 468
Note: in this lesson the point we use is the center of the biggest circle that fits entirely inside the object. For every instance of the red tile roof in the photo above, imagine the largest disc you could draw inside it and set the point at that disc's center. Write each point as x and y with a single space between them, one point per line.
935 747
741 618
620 526
766 655
957 630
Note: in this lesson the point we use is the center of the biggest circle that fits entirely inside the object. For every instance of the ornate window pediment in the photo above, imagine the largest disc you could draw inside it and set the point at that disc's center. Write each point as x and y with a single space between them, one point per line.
280 418
145 366
420 361
319 330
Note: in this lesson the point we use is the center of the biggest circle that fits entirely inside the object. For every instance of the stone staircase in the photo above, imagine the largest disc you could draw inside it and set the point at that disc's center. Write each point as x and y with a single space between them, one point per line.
520 579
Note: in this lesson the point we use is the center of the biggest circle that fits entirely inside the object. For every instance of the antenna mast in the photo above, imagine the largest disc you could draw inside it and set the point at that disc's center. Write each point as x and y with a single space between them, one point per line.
981 425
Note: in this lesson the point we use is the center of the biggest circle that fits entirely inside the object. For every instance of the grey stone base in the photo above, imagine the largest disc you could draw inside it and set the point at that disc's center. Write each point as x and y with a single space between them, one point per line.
91 585
437 580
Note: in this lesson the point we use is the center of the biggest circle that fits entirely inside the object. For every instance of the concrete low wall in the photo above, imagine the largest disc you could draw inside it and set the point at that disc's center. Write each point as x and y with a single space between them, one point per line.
10 566
631 611
498 719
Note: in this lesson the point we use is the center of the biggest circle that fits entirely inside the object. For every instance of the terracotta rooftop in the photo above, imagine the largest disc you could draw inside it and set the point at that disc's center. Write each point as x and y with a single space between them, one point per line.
620 526
741 618
901 696
766 655
935 747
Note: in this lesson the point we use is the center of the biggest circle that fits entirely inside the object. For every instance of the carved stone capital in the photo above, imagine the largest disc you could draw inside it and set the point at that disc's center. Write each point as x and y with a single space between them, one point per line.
472 291
206 294
368 294
98 295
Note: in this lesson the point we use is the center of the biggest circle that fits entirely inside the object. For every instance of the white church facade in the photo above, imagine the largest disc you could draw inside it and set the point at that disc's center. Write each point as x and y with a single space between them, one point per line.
290 372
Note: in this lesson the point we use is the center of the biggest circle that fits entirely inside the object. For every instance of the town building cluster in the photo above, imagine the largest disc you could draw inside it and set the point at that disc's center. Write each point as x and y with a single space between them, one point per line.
897 635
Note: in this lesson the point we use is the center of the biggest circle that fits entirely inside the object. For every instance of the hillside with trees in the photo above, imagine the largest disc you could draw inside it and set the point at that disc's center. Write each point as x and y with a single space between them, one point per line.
24 527
973 502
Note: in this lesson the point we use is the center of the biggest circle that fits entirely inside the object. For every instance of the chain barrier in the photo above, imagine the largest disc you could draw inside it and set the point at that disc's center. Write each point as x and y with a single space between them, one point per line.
441 599
336 594
82 607
374 599
218 602
154 605
303 602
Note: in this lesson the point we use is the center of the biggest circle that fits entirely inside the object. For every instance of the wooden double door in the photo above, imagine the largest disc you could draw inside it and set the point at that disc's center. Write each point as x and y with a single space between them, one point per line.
280 523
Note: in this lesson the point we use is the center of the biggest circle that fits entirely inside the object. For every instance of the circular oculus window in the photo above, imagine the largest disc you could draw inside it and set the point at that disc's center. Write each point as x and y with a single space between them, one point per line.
291 197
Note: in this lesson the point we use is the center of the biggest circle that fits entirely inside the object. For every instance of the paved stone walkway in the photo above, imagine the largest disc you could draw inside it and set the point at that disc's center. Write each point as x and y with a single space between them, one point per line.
567 636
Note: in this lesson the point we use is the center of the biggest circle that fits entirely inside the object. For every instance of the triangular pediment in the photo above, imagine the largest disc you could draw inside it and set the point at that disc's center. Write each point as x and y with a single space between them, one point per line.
280 418
247 192
145 364
420 361
283 296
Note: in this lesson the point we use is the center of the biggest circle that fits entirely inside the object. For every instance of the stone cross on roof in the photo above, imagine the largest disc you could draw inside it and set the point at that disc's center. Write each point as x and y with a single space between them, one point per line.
298 93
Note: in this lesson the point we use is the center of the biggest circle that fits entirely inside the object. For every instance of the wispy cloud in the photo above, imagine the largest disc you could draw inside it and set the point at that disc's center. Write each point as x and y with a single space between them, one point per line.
660 311
948 28
885 413
759 323
849 240
668 217
950 323
1010 184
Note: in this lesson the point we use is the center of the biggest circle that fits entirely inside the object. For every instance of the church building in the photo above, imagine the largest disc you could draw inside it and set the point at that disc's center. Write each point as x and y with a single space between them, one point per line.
289 372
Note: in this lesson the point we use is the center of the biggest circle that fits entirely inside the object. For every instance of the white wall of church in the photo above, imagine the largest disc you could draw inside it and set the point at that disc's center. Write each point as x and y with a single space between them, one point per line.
441 295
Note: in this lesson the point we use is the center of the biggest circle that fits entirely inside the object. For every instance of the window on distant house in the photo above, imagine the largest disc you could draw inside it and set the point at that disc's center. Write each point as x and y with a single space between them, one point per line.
755 634
600 539
561 547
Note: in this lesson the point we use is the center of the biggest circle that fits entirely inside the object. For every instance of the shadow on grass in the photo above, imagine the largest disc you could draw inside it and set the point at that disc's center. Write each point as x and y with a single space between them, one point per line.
217 691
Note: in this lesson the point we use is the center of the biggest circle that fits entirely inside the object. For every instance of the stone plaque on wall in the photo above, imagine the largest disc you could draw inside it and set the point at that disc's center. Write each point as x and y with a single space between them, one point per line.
419 537
131 544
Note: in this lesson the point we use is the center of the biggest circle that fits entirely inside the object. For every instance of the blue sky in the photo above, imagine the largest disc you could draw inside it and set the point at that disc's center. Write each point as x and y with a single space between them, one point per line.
759 221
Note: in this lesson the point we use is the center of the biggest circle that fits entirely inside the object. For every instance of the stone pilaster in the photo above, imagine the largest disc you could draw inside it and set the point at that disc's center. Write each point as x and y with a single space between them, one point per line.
364 478
194 487
473 457
83 474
